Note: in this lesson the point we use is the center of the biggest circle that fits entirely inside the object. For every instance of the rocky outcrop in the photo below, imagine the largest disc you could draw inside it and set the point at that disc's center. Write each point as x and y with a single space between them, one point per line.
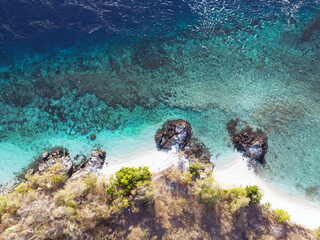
57 155
178 134
173 133
61 155
93 165
253 144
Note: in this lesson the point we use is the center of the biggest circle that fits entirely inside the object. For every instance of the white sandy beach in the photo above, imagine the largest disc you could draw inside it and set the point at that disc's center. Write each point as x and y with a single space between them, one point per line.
156 161
237 173
233 174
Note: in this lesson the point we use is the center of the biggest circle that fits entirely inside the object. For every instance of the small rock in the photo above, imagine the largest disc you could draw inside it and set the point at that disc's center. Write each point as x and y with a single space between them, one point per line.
93 137
45 155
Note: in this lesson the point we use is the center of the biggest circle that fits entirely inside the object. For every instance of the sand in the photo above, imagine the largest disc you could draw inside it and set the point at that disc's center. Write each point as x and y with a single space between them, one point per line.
237 173
157 161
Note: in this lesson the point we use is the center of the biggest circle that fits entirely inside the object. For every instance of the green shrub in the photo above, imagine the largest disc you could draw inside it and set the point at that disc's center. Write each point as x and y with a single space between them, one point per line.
254 193
281 215
9 203
239 198
130 188
21 188
266 209
238 203
318 233
129 177
187 177
209 192
194 169
57 181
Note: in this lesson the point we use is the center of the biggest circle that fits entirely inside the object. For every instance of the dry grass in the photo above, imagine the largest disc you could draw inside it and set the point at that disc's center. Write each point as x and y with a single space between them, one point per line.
169 207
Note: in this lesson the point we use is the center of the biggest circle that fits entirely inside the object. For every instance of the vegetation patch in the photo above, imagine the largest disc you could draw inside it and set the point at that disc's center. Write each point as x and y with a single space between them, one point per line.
254 193
281 215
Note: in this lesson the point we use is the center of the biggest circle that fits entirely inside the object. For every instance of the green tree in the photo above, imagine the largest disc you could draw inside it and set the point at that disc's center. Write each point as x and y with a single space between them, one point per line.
254 193
129 177
194 169
239 198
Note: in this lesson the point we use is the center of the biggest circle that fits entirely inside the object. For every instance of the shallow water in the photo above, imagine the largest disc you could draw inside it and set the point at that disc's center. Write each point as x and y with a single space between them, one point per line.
117 69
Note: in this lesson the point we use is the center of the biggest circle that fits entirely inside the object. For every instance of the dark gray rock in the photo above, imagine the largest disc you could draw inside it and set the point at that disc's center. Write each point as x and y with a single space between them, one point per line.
58 155
93 165
253 144
174 133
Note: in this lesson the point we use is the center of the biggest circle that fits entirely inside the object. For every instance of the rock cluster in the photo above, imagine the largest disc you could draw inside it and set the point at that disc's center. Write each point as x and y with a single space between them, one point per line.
253 144
58 155
61 155
94 164
178 134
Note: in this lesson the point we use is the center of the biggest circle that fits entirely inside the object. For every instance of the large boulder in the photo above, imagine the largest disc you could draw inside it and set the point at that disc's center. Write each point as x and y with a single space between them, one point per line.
253 144
173 133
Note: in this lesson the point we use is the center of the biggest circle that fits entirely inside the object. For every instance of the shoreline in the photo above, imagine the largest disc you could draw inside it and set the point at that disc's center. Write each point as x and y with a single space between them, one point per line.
237 173
233 173
157 161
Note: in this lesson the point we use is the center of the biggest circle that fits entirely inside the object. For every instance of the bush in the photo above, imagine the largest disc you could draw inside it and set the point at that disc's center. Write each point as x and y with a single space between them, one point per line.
239 198
57 181
10 204
254 193
21 188
194 169
209 192
318 233
129 177
238 203
187 177
130 188
281 215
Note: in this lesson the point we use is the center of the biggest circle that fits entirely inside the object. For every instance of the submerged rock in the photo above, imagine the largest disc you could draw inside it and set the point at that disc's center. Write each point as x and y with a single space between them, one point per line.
253 144
307 33
93 137
173 133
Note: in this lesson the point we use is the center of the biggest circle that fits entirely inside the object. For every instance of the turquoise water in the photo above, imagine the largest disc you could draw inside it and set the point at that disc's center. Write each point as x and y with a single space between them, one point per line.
224 61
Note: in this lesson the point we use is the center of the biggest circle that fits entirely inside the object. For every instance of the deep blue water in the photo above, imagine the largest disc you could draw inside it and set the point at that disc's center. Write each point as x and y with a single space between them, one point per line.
72 68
